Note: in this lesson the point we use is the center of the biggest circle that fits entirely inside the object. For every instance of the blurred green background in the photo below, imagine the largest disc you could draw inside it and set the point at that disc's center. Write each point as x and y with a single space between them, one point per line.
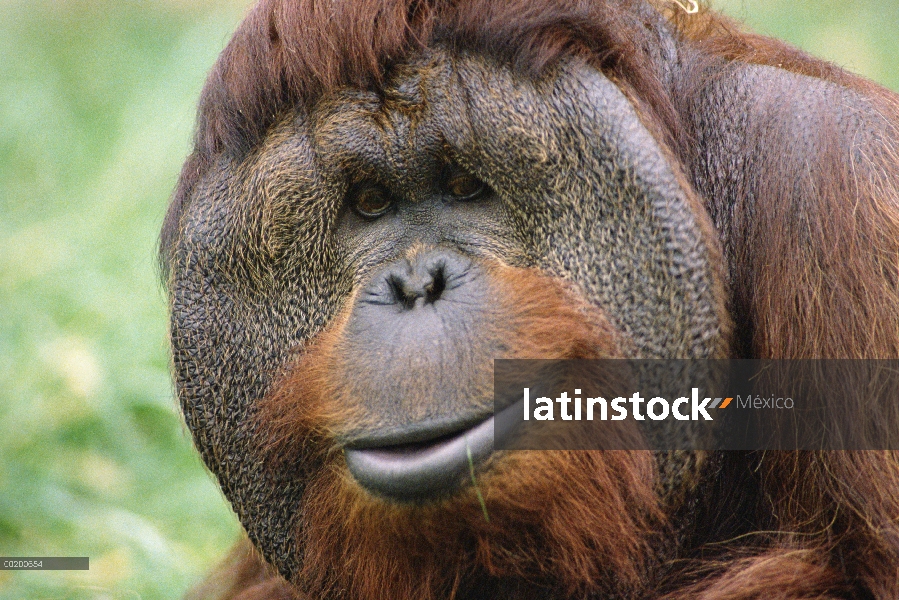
96 110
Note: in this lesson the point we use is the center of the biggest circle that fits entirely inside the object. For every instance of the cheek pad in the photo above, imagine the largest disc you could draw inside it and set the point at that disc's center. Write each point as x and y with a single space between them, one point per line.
598 196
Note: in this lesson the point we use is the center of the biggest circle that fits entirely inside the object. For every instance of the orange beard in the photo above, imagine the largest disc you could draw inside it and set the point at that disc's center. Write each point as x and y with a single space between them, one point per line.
575 521
570 521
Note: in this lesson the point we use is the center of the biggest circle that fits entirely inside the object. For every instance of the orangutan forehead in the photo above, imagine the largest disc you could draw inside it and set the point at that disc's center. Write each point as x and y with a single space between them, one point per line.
290 52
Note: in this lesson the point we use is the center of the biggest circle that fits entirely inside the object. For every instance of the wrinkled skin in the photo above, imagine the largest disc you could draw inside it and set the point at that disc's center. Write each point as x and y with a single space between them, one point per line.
270 253
275 267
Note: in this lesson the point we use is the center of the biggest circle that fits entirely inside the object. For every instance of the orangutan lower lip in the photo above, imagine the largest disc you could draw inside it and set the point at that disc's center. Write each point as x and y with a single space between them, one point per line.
424 470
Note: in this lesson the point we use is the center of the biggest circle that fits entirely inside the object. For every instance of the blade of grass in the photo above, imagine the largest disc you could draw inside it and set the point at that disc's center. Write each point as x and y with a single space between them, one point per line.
474 482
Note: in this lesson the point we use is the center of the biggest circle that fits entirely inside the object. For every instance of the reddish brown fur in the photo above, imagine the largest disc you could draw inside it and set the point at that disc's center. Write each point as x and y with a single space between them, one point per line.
243 575
578 518
780 574
541 320
288 53
829 292
273 60
824 288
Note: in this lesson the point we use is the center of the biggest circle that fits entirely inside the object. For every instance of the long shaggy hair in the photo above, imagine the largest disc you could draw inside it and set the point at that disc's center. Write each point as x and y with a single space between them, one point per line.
813 253
582 518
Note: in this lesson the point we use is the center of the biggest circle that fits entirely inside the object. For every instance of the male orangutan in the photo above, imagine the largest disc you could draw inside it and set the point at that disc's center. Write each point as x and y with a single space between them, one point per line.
386 195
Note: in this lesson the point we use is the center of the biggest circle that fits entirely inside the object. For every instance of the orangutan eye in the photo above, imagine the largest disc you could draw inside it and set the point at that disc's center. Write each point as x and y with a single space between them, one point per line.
462 185
371 201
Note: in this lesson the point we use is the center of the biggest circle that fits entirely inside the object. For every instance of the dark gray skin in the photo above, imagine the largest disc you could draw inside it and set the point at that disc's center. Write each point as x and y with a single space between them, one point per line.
269 250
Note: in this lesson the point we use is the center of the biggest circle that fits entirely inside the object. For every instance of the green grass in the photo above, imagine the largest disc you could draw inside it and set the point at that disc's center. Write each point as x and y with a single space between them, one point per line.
96 111
860 35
